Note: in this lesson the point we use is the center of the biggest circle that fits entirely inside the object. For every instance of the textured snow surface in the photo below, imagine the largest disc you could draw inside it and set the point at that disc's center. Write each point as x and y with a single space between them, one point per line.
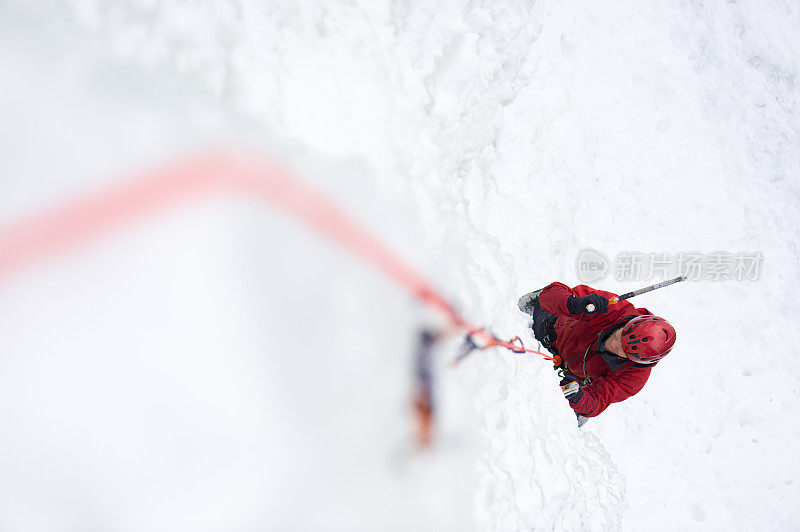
222 368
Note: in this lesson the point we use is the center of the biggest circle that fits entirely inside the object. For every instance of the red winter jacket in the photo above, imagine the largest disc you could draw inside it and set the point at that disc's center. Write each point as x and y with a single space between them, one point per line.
578 343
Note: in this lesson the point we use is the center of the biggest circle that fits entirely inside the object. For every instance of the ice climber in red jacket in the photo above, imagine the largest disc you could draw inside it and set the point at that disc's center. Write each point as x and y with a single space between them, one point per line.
607 351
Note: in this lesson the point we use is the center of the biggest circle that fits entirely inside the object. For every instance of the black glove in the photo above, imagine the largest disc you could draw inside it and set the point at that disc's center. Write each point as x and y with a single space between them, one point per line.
578 305
571 388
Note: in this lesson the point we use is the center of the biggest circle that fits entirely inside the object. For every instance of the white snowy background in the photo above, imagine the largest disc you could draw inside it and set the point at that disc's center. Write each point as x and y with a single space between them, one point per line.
221 367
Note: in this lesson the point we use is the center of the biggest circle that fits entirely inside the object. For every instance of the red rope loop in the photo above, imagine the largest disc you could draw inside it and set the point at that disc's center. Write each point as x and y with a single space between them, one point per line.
515 345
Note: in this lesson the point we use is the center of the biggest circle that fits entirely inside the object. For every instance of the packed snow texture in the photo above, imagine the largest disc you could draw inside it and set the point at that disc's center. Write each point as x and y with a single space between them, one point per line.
220 367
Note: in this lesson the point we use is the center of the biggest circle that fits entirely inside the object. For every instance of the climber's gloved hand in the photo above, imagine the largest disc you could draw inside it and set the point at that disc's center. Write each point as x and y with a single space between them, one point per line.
591 304
571 388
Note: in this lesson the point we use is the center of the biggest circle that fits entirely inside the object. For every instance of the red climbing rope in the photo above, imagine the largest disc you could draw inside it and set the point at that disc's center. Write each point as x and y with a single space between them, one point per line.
217 173
515 344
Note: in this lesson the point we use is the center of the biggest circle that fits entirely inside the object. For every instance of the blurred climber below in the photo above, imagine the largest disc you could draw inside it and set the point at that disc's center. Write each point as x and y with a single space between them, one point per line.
422 400
604 352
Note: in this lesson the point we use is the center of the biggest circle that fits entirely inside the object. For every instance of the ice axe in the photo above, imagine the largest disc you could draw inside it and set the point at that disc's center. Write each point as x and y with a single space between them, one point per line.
614 300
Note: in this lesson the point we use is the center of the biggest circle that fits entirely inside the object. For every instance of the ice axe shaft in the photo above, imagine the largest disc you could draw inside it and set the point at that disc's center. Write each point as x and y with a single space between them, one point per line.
662 284
646 289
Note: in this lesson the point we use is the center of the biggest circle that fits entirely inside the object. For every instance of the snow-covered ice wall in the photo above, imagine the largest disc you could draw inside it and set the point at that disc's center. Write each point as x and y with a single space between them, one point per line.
157 380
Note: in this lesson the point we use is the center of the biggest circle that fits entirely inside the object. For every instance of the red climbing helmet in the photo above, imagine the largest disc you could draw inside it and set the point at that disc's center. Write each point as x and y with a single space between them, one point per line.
646 339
